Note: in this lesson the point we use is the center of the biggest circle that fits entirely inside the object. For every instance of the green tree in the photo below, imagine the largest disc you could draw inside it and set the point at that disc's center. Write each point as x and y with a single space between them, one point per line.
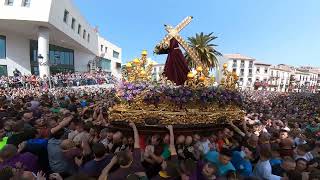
202 44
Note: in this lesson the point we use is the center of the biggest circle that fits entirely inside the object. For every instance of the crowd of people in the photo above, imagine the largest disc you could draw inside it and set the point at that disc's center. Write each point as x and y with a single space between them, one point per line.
57 80
65 134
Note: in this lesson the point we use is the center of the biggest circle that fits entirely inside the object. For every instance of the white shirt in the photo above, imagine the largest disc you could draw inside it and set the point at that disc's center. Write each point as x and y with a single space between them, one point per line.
204 147
308 156
263 170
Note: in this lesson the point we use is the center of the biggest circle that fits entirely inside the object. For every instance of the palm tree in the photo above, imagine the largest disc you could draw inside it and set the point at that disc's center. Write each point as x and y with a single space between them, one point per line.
202 44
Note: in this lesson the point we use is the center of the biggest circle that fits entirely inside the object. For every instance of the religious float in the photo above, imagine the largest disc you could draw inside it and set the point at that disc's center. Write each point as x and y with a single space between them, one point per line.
183 98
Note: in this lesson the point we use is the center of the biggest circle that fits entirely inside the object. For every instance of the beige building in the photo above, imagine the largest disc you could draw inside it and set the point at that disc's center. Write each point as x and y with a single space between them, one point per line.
280 78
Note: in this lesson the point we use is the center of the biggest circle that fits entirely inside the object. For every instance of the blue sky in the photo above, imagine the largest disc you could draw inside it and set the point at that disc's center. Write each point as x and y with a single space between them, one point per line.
272 31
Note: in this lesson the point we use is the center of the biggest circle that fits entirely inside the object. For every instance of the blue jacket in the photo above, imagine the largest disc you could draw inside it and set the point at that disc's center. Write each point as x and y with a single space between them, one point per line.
243 166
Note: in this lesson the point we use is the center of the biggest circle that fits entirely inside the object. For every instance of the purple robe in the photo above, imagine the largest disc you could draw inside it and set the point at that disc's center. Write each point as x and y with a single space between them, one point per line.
176 68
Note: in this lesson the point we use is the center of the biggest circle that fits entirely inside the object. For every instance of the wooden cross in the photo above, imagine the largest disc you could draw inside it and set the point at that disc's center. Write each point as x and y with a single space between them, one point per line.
174 33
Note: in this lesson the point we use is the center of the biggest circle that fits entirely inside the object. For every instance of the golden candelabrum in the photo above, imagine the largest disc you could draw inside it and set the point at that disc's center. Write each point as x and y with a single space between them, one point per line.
200 78
230 79
139 69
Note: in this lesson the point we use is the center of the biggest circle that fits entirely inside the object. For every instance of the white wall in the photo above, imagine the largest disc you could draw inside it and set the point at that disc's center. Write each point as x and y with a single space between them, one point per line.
56 18
38 10
81 60
109 55
18 54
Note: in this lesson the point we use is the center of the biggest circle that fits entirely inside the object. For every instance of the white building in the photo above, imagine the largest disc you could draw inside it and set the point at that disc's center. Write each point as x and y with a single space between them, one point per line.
157 71
280 77
244 67
261 75
38 35
306 80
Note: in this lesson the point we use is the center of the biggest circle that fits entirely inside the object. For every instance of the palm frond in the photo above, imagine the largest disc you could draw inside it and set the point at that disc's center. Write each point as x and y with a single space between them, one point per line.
202 44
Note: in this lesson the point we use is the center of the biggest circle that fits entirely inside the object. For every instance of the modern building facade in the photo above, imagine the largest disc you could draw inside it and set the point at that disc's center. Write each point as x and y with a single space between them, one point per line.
50 36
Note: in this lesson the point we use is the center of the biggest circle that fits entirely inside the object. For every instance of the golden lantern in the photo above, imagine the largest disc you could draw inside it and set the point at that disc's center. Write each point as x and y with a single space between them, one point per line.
212 78
190 75
144 53
202 78
225 65
136 61
128 65
199 69
143 72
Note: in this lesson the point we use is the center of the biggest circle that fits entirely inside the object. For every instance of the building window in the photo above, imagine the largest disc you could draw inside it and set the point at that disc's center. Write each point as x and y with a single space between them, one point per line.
234 70
106 49
79 29
250 72
73 23
3 48
250 64
65 16
26 3
266 71
258 70
101 48
3 70
250 79
242 72
118 65
9 2
62 59
241 79
84 34
88 37
105 64
115 54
